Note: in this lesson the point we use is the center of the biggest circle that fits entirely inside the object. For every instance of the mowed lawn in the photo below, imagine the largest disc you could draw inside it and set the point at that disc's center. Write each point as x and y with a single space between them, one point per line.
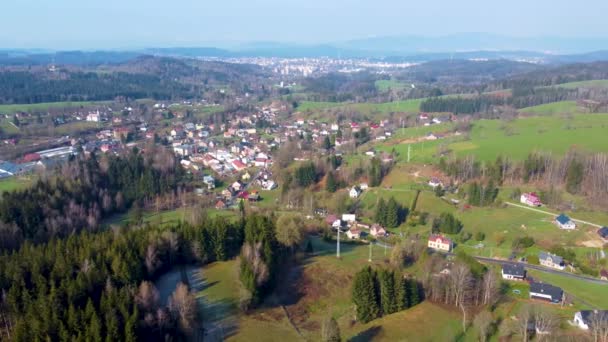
595 294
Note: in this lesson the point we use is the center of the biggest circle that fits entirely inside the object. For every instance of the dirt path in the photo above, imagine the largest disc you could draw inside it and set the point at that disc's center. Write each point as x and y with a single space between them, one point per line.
550 213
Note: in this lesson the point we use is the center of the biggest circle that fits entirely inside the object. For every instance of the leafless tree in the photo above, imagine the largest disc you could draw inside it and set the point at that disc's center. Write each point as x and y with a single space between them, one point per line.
598 326
545 322
182 304
490 288
483 323
147 296
152 261
524 317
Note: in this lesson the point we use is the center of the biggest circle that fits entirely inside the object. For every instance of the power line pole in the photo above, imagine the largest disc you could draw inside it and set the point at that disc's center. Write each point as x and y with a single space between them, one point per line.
370 252
409 152
338 245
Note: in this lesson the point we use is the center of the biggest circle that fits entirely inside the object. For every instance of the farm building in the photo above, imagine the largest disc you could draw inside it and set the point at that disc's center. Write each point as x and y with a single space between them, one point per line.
548 292
354 192
441 243
564 222
353 233
377 230
531 199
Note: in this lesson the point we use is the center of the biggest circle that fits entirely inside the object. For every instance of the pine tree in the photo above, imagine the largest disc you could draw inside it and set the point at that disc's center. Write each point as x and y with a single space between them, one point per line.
364 295
414 292
381 212
387 292
401 293
474 194
326 143
330 184
392 213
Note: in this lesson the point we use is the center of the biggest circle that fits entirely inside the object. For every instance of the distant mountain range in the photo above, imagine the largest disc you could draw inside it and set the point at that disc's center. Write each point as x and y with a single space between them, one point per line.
397 49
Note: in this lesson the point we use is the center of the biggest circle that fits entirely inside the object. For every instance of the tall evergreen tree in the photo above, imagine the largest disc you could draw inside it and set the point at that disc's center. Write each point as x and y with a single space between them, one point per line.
364 295
330 184
392 213
387 292
380 216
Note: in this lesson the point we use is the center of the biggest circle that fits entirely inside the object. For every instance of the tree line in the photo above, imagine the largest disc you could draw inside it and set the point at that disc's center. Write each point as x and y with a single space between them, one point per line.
382 292
96 286
86 190
390 214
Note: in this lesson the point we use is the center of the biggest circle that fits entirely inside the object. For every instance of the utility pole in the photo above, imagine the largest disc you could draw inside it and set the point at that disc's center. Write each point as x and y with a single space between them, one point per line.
370 252
409 152
338 245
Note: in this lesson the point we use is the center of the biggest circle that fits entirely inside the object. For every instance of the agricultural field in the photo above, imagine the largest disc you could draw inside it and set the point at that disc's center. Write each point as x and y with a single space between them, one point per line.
377 110
489 138
385 85
584 84
14 108
562 107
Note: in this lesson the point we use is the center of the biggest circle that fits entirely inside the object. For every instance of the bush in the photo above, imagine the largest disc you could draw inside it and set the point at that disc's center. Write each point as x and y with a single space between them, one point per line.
523 242
480 236
465 236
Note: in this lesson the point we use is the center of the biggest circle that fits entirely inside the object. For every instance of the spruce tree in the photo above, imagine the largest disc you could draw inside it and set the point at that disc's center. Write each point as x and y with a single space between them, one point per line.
381 212
401 293
330 184
392 213
387 292
414 292
364 295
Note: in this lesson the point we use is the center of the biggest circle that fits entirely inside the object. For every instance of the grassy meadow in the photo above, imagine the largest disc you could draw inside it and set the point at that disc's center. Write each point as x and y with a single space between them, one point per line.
14 108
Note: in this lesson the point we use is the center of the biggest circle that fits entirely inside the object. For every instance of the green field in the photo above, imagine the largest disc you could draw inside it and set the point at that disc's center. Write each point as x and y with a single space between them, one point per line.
491 138
594 294
562 107
584 84
13 108
385 85
14 183
407 106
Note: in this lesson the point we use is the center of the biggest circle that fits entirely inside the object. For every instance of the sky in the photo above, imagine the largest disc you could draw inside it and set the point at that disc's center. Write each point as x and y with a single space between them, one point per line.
121 24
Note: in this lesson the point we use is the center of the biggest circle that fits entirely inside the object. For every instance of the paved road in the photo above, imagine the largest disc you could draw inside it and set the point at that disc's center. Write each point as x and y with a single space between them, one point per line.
526 265
550 213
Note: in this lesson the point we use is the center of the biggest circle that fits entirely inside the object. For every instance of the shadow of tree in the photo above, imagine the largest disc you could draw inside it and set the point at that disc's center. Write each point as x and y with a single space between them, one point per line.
366 335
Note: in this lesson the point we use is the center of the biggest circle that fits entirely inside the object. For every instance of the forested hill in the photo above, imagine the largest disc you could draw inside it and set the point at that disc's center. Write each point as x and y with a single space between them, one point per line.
143 77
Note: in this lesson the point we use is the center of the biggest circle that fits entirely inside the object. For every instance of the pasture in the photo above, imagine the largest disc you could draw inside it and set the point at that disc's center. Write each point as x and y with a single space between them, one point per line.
584 84
14 108
489 139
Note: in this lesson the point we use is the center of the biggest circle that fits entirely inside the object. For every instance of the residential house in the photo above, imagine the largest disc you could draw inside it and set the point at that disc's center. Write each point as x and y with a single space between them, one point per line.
220 205
585 319
363 186
94 117
269 185
531 199
603 233
236 186
551 260
209 181
354 233
121 133
564 222
350 218
238 165
547 292
183 150
435 182
513 272
377 230
354 192
330 219
439 242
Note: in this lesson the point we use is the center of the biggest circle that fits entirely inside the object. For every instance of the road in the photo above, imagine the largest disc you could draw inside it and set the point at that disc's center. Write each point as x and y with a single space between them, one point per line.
550 213
527 266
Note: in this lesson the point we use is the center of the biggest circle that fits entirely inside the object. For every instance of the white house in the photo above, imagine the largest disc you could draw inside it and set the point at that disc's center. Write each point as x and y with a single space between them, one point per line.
363 186
551 260
377 230
435 182
585 318
354 192
441 243
351 218
353 233
94 117
564 222
531 199
513 272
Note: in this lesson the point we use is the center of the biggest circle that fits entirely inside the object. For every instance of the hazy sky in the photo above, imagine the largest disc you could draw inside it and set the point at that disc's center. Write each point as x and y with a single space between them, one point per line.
145 23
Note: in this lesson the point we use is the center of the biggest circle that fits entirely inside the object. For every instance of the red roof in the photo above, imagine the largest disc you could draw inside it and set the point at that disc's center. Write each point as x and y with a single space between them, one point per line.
238 164
330 219
440 238
243 195
30 157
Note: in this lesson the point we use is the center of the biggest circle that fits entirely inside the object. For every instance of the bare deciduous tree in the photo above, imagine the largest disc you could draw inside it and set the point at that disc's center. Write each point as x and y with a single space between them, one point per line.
483 323
524 317
147 296
598 326
545 322
183 305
